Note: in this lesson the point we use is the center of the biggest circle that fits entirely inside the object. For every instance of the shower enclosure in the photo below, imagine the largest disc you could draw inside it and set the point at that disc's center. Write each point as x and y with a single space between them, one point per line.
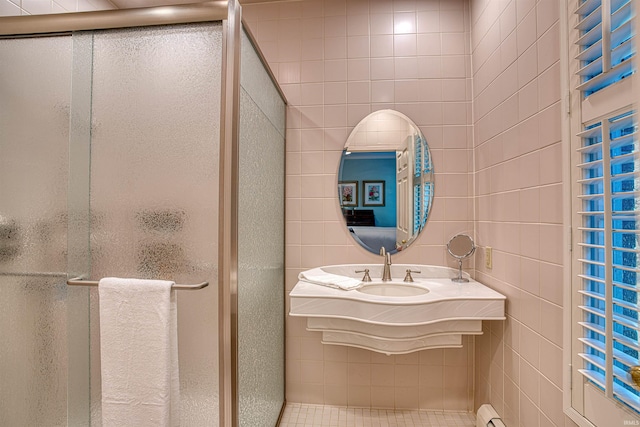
144 143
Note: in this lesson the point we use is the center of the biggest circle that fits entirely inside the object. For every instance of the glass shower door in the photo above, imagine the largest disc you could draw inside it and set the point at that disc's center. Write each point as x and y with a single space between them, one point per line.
155 143
115 174
35 93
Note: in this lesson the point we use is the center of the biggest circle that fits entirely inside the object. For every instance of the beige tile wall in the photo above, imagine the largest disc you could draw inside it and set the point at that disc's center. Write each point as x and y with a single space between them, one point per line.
337 61
41 7
518 200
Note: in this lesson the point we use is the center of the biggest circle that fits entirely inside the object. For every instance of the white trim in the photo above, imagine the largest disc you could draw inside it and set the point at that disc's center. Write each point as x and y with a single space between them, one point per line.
565 90
577 418
572 379
601 103
605 411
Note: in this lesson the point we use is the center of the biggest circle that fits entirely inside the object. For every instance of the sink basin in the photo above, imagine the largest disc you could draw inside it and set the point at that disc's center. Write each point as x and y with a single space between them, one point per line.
392 289
393 317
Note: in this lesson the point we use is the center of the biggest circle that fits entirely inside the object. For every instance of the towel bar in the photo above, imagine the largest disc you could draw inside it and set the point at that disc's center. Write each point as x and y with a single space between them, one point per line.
79 282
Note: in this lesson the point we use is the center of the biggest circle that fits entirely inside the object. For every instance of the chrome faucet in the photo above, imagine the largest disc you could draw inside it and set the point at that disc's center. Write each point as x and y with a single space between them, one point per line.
386 267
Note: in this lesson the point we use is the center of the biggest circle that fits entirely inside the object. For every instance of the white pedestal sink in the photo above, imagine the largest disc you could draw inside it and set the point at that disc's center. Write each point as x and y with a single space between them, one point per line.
396 317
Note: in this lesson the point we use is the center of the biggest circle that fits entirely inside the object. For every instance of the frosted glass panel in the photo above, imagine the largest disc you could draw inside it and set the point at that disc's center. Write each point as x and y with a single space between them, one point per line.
154 185
78 233
260 246
35 92
257 83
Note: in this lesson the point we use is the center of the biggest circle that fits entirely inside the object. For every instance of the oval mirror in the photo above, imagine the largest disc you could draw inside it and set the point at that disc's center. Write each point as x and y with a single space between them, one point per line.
385 182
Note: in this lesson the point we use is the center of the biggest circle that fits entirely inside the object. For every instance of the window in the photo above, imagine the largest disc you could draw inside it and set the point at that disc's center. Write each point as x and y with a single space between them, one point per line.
603 339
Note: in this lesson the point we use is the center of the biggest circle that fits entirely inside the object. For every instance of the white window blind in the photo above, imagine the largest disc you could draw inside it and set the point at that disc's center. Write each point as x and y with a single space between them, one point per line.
606 43
610 204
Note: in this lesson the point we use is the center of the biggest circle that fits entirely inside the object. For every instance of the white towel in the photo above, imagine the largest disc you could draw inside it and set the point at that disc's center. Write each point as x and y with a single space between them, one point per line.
139 353
319 277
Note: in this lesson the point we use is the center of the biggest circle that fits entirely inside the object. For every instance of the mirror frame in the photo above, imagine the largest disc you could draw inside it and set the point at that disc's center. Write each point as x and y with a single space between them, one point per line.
467 254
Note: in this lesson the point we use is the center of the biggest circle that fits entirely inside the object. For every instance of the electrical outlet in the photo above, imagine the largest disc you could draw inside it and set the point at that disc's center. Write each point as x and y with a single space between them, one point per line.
488 257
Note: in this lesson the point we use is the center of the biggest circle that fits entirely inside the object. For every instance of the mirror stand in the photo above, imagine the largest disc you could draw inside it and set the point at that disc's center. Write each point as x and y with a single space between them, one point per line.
460 279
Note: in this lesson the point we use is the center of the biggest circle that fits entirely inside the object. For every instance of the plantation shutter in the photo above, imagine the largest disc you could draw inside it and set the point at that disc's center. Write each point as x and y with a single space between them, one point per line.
608 198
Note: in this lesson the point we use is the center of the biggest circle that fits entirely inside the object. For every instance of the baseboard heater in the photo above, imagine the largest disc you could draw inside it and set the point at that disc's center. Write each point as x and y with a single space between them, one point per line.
488 417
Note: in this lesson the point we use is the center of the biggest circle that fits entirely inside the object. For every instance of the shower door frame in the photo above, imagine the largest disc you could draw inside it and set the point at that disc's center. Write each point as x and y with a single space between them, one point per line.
230 14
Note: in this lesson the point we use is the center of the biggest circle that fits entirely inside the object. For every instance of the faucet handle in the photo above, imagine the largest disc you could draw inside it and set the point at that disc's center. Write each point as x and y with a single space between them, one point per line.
408 277
366 277
383 251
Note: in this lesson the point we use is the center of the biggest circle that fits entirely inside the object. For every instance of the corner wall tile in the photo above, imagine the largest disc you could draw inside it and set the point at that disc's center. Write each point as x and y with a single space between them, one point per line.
515 152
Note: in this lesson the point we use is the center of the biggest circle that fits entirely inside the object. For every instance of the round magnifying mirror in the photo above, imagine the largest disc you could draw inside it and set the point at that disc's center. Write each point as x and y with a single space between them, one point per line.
385 182
461 247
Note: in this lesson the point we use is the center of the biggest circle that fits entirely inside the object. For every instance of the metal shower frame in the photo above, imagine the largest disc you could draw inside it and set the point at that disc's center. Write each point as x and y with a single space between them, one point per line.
230 13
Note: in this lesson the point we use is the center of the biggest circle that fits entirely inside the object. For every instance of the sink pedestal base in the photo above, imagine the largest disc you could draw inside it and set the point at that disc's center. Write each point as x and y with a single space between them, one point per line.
399 339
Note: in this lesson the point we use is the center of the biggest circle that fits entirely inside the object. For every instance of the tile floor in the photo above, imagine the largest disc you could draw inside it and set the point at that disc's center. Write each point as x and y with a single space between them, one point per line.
303 415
